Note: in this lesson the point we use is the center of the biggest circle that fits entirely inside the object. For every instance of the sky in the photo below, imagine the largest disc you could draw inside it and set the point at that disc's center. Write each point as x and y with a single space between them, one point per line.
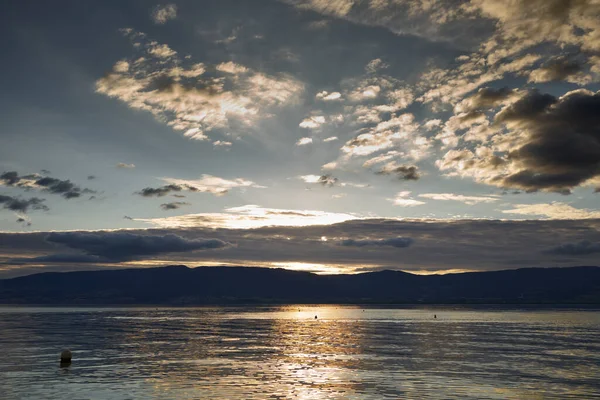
335 136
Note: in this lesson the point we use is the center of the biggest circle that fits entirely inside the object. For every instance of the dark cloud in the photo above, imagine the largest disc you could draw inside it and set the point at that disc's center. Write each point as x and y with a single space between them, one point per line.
398 242
160 191
557 69
65 188
438 245
327 180
22 205
128 217
561 141
173 205
528 108
10 178
69 258
583 247
23 221
486 98
403 172
122 246
90 177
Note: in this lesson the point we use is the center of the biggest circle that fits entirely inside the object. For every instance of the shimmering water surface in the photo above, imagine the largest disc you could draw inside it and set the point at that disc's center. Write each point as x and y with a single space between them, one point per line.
283 352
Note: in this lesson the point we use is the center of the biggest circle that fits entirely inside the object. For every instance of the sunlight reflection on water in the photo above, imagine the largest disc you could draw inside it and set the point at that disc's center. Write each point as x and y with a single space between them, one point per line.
283 352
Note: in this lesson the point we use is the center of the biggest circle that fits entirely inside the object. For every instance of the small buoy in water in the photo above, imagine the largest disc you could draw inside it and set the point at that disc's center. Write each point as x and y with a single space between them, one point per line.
65 358
434 316
315 317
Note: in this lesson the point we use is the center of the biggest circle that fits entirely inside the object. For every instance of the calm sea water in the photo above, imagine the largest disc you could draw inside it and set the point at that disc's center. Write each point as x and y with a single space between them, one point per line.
283 352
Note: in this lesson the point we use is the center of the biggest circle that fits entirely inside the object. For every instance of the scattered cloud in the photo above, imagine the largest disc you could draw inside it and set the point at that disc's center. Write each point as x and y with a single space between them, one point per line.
212 184
22 205
403 199
304 141
554 210
161 191
312 122
330 139
231 68
65 188
126 166
175 205
159 51
470 200
325 180
178 92
403 172
327 96
162 14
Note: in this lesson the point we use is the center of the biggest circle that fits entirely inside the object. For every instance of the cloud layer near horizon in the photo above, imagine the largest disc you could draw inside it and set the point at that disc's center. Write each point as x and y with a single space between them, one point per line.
351 246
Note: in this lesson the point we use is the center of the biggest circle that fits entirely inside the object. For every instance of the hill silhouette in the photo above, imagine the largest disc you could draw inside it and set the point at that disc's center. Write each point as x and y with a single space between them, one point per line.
180 285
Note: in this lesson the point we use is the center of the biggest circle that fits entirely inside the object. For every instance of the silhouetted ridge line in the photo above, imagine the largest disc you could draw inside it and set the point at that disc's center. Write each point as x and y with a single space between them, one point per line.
180 285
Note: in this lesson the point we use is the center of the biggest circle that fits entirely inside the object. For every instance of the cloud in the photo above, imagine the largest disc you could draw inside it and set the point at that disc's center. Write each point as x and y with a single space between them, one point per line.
22 205
487 98
231 68
221 143
327 96
175 205
126 166
122 246
325 180
179 93
403 199
212 184
403 172
583 247
312 122
250 217
554 210
470 200
159 51
400 131
162 14
551 144
160 191
304 141
279 237
330 139
65 188
398 242
559 69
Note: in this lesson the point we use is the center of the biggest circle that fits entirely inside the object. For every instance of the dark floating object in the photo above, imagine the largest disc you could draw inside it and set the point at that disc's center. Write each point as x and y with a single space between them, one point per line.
315 317
434 316
65 356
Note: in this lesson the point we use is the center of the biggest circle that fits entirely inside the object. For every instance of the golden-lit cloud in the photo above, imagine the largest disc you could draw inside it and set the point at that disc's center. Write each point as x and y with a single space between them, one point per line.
178 92
554 210
249 217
